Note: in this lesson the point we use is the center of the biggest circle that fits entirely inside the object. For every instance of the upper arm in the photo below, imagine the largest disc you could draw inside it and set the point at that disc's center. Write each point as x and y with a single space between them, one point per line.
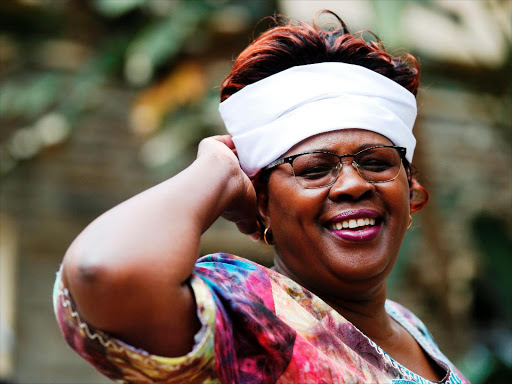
140 307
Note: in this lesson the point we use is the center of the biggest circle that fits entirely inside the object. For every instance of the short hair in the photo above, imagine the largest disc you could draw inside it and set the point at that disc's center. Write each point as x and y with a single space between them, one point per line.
289 44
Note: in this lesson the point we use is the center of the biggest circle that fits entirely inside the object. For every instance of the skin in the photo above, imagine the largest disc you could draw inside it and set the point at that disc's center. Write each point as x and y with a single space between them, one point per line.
128 270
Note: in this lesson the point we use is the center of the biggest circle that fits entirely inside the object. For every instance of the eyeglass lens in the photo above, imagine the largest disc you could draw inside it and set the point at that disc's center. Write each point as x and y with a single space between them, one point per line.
317 170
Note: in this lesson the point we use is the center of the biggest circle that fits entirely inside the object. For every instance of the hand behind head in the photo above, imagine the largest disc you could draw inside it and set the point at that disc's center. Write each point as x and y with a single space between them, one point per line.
242 208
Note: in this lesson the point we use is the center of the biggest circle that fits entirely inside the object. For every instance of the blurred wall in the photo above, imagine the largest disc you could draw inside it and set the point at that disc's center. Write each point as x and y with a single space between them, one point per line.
102 99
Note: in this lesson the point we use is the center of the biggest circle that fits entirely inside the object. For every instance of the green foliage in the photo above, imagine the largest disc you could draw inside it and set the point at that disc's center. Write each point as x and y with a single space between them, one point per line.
29 97
116 8
128 43
161 40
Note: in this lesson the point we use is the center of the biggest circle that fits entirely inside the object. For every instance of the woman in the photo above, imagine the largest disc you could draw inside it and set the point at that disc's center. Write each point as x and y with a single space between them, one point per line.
318 165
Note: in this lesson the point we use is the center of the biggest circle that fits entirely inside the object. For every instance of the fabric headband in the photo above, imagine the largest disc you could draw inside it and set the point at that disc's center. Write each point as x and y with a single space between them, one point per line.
270 116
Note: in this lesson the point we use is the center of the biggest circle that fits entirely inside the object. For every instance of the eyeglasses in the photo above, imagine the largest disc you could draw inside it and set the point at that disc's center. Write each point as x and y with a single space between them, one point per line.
320 169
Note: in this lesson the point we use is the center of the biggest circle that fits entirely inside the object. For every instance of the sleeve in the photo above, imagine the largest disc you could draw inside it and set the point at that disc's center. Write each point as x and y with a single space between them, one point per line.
126 364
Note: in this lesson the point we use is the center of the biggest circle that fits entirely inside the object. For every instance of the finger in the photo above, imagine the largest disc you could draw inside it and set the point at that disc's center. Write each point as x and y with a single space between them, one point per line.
245 219
256 236
225 139
250 228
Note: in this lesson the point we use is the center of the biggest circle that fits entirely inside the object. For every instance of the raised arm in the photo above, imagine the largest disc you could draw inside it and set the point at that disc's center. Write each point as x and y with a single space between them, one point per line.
128 270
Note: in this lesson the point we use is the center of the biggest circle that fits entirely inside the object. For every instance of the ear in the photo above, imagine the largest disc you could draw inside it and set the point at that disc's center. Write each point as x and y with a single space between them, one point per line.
418 196
262 204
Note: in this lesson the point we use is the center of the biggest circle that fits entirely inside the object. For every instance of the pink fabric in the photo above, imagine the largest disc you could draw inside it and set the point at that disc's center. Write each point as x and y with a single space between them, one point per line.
258 327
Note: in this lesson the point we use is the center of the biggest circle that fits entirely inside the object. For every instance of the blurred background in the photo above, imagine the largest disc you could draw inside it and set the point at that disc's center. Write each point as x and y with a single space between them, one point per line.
101 99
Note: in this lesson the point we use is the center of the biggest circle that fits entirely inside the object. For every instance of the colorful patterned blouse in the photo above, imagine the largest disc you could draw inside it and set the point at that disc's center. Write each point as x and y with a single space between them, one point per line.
258 326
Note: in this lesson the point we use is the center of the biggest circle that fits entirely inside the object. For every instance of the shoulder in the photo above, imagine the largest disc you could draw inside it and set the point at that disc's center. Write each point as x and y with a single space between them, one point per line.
122 362
420 332
235 278
224 260
226 268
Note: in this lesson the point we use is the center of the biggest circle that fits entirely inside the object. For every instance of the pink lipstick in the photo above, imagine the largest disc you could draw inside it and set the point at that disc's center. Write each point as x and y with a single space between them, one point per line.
356 225
366 234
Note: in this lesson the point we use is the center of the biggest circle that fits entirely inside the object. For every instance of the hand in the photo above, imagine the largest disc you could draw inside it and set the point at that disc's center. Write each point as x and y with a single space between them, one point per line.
241 209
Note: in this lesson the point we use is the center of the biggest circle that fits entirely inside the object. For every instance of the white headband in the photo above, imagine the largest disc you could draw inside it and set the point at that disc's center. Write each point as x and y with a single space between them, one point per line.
270 116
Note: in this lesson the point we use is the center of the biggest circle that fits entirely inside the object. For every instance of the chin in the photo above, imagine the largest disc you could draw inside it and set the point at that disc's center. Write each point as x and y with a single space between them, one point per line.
364 269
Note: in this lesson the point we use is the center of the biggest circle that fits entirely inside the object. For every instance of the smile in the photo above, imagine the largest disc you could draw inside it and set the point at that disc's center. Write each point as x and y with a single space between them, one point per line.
360 225
352 223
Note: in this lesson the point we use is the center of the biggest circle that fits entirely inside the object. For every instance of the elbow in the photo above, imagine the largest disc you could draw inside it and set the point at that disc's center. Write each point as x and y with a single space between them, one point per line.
88 274
82 271
90 285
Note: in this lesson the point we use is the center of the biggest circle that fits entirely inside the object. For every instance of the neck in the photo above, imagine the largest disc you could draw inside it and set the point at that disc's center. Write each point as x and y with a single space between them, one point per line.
368 314
366 311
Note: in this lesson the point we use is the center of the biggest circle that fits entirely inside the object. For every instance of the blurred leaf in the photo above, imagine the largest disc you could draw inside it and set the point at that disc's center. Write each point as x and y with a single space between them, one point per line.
162 40
109 58
395 281
477 364
30 98
116 8
184 85
41 94
388 25
30 22
94 74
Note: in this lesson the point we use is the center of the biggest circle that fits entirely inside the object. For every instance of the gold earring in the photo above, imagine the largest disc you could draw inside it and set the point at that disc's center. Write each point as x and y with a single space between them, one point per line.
271 242
410 221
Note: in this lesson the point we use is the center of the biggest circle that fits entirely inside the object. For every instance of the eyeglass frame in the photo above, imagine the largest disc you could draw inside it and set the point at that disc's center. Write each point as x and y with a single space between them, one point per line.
289 160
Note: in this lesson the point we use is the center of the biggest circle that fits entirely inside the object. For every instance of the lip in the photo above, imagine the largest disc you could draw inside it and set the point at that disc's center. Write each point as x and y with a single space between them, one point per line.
362 235
354 214
367 234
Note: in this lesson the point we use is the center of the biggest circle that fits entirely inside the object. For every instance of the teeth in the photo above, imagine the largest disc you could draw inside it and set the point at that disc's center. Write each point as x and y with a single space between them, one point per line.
352 223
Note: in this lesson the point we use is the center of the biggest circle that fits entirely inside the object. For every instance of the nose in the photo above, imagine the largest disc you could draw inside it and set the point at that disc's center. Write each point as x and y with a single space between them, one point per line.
349 184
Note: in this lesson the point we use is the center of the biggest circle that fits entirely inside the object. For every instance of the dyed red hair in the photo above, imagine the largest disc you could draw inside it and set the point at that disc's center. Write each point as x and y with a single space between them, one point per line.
291 44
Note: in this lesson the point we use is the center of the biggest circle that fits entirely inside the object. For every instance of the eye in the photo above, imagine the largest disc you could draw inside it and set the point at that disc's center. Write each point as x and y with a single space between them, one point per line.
316 171
378 160
375 164
314 165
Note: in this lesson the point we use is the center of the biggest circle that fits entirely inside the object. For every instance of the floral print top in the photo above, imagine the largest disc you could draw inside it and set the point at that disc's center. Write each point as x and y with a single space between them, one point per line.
258 326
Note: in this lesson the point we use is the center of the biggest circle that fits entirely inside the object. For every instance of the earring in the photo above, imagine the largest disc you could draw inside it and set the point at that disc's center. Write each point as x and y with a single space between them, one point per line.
271 242
410 222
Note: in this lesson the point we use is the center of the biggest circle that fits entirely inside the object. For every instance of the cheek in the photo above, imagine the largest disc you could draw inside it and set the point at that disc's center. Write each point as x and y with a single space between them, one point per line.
405 193
396 196
283 204
291 207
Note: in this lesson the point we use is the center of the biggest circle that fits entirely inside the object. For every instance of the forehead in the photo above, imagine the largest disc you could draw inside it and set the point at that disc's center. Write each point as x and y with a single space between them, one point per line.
341 141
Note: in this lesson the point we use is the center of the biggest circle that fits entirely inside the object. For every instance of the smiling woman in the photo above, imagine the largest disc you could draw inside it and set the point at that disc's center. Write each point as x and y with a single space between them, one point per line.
335 262
317 164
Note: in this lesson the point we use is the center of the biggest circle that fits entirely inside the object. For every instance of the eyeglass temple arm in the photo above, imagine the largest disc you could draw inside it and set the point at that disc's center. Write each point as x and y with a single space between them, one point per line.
275 164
